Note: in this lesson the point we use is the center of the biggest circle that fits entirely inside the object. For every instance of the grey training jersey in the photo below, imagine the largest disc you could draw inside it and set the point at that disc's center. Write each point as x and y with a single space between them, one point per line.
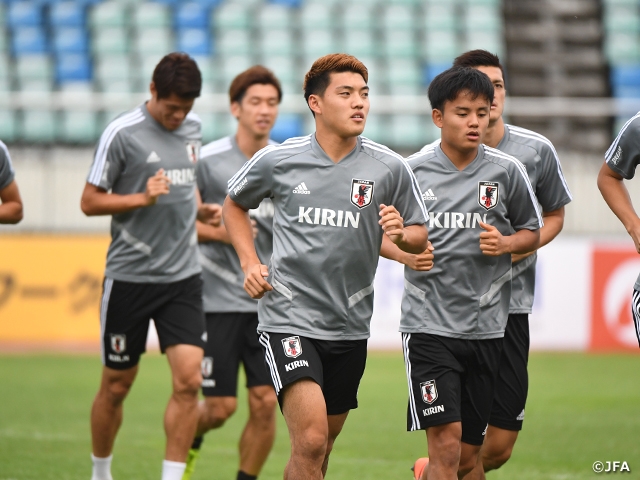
623 155
6 168
326 236
466 294
155 244
545 173
221 272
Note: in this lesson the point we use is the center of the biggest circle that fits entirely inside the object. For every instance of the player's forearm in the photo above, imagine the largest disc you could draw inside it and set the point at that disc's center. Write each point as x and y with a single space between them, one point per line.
10 212
240 232
415 239
111 203
209 233
616 195
390 250
553 223
523 241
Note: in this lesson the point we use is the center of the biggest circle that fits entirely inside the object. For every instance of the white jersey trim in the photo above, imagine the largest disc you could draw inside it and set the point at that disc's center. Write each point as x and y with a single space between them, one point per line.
194 116
415 419
215 147
6 152
360 295
495 288
271 361
614 145
518 131
107 137
216 269
523 172
414 182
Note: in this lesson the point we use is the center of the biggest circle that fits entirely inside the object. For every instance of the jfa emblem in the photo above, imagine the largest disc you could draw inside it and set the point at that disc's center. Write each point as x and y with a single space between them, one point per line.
207 366
488 194
118 343
361 192
193 150
292 347
429 391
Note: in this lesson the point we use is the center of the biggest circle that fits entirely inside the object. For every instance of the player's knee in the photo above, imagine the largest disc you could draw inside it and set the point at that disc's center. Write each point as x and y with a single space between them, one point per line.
116 390
311 445
220 410
187 386
263 405
496 458
467 465
447 448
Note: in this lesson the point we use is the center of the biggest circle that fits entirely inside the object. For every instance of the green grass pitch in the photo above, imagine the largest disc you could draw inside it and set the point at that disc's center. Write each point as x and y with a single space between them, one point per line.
582 408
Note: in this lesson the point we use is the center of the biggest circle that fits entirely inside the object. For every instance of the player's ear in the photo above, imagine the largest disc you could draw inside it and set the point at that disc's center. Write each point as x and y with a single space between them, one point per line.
152 89
235 109
436 116
314 104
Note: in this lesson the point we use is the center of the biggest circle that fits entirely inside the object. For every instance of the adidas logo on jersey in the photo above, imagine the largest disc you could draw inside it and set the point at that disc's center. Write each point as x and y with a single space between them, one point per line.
455 219
428 195
153 158
302 189
521 416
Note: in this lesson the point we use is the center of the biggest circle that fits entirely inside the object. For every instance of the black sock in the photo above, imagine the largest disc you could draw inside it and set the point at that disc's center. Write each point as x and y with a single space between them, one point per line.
245 476
197 442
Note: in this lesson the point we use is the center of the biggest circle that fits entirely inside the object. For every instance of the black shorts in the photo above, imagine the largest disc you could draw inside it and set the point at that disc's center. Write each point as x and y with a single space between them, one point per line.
127 308
337 366
450 380
232 338
635 310
512 384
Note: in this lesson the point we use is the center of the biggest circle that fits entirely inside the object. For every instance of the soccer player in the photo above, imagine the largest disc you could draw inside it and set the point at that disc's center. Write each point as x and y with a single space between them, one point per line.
143 175
10 201
335 195
482 209
621 161
231 314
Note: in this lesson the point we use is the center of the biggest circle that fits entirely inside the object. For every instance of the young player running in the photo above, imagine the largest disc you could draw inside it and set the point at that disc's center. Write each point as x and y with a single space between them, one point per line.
482 209
10 201
232 318
545 173
143 175
335 195
621 161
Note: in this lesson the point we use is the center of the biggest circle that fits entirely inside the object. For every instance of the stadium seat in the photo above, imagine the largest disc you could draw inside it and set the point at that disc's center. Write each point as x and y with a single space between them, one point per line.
38 126
624 76
439 17
406 2
24 14
153 41
404 76
376 129
622 19
108 14
400 44
287 126
69 40
208 4
3 39
288 3
33 67
316 43
490 41
274 17
441 46
194 41
28 41
191 15
232 66
378 71
112 68
398 17
622 48
205 65
209 128
314 16
487 18
231 16
489 3
110 41
5 67
284 67
234 42
360 43
78 127
66 14
432 70
151 15
73 68
357 17
409 130
608 3
277 42
7 125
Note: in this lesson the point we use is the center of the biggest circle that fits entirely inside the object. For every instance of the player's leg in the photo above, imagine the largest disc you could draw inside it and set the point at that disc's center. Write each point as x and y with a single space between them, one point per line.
635 308
335 422
444 451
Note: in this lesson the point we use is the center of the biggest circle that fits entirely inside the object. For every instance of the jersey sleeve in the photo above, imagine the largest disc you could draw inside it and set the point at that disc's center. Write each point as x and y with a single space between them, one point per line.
6 168
623 155
202 178
108 161
522 205
407 198
254 181
551 189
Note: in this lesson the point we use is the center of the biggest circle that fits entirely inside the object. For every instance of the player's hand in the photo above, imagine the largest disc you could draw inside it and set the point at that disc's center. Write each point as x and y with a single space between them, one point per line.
517 257
492 242
254 280
392 223
422 262
254 225
156 186
210 213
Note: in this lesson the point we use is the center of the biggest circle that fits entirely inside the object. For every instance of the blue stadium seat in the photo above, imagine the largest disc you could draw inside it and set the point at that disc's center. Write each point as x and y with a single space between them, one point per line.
287 126
432 70
625 76
288 3
66 14
70 40
24 14
191 15
195 41
28 40
167 2
208 3
73 68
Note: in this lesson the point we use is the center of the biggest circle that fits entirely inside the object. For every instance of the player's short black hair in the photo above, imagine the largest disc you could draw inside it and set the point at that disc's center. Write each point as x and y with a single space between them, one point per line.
478 58
177 73
449 84
256 75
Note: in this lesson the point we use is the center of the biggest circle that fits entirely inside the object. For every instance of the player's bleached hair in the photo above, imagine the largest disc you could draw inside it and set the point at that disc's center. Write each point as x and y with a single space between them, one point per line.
449 84
177 73
478 58
256 75
318 77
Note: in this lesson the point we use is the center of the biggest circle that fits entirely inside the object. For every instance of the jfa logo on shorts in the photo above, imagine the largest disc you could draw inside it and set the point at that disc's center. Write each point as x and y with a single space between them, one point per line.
207 366
193 150
292 347
429 391
361 192
488 194
118 343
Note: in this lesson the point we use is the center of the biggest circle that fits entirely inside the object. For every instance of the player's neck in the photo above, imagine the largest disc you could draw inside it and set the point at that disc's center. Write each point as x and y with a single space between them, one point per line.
335 146
460 158
249 144
494 134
